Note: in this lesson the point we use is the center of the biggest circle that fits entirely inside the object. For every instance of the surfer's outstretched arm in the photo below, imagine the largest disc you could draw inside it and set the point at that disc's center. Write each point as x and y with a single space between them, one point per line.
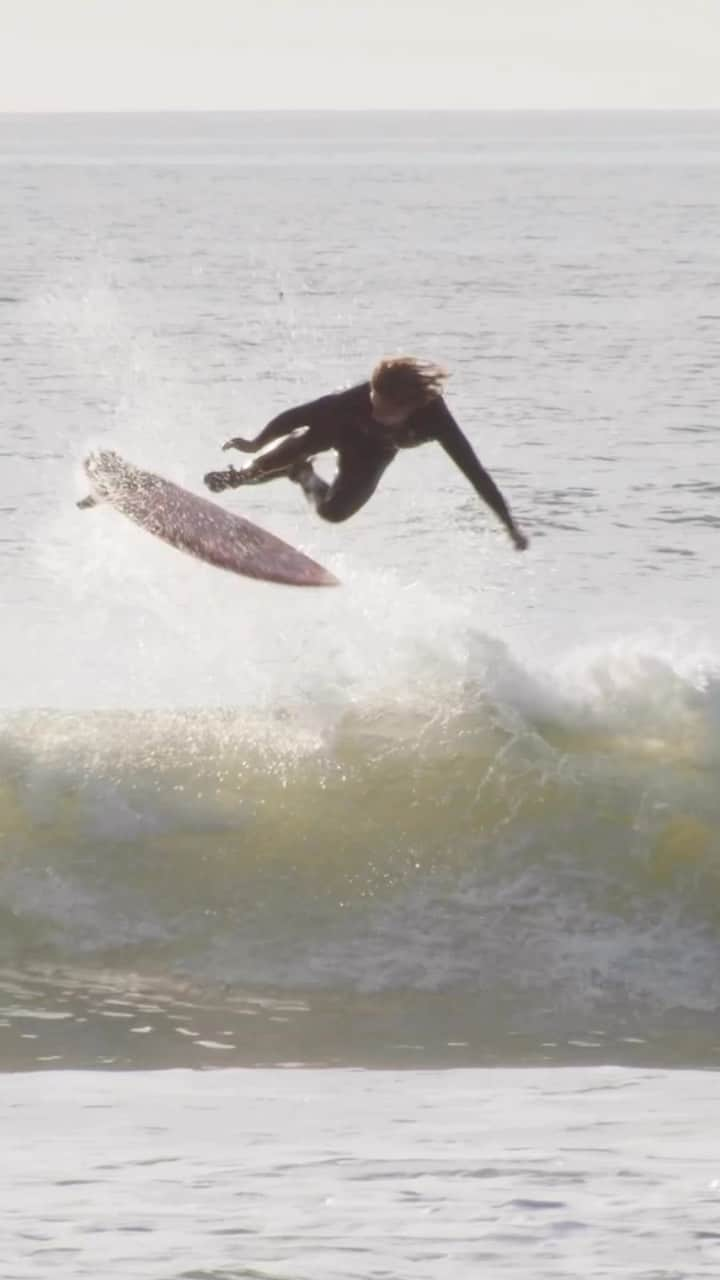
458 447
304 415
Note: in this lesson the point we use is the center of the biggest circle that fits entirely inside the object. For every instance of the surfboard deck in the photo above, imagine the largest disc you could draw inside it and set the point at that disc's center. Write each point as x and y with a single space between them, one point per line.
198 526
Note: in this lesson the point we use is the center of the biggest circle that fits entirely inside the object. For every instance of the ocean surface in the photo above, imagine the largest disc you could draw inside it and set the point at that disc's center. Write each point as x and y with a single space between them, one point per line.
446 840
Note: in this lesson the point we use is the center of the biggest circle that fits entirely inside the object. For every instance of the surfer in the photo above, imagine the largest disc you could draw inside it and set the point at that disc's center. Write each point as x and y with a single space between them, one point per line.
400 407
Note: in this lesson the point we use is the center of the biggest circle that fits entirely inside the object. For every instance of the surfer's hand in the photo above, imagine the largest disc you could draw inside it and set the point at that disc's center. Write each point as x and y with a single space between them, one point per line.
239 442
216 481
519 539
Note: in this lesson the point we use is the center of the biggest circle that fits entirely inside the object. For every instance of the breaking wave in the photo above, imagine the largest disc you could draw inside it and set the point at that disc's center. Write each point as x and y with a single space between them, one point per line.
544 845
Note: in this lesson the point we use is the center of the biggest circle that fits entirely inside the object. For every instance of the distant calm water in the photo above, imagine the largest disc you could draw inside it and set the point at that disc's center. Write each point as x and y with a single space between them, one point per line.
461 812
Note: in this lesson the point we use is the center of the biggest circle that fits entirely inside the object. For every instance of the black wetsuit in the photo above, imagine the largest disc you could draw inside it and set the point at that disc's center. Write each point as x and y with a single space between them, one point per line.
344 421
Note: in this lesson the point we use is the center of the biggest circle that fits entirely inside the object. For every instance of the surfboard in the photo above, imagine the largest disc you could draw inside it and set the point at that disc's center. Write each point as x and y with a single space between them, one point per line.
198 526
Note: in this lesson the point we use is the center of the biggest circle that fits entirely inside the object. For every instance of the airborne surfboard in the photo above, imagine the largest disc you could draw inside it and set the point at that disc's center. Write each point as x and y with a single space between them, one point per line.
198 526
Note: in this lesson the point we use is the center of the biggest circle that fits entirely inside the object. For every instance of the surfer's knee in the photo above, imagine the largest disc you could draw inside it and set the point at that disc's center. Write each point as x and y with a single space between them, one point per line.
339 505
343 501
332 512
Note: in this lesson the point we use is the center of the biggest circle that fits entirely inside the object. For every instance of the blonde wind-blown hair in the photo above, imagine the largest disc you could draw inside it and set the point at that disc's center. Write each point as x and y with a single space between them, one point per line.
405 380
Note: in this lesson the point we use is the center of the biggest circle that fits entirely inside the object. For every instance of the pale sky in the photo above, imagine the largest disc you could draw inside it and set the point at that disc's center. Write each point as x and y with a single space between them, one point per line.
131 55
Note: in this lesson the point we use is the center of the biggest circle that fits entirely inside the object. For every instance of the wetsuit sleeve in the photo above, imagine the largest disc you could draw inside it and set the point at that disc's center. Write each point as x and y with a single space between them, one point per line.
458 447
316 413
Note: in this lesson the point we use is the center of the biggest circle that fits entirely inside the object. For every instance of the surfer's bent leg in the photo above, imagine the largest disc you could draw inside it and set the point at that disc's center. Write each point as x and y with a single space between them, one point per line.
353 485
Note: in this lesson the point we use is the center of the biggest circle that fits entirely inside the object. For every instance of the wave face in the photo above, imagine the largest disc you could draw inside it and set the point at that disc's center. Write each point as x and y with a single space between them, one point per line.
523 855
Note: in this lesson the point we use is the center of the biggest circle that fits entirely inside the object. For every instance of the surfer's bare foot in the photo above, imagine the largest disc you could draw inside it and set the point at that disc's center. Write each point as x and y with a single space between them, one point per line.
256 473
232 478
216 481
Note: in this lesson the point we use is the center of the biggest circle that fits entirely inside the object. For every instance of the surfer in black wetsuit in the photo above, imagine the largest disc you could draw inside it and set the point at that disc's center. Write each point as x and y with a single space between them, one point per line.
400 407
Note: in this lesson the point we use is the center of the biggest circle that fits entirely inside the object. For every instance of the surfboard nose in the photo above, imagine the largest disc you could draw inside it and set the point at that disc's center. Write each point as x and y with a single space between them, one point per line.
102 460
